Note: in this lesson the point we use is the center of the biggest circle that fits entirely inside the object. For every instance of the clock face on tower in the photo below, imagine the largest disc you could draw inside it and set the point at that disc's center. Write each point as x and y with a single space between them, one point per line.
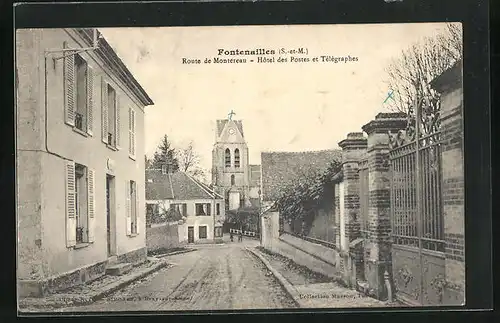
231 131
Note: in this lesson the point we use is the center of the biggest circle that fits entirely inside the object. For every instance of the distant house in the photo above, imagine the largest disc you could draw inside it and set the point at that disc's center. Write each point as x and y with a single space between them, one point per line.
201 211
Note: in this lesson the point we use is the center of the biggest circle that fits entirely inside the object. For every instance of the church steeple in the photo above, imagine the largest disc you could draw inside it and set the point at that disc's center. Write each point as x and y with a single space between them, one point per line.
230 163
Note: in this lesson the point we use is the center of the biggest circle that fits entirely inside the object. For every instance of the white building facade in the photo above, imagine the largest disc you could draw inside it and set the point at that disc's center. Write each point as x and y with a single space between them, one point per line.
80 164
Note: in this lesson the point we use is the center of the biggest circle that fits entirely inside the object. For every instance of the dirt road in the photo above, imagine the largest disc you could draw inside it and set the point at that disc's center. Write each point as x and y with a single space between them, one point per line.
211 278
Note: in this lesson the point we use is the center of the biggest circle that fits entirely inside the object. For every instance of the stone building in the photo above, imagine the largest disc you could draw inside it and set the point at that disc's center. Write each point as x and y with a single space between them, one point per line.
232 174
79 164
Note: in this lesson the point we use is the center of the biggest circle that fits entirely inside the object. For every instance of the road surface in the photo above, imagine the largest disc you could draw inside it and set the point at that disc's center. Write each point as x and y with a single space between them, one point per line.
214 277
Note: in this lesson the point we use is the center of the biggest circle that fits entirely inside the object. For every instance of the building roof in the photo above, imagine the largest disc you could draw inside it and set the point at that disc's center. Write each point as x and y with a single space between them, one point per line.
175 186
449 79
111 59
222 123
279 168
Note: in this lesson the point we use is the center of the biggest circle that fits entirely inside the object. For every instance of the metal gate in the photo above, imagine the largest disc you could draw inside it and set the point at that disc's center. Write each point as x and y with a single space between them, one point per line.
416 209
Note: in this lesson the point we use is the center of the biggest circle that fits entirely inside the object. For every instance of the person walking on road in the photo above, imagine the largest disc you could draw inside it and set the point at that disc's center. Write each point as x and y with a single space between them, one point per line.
240 236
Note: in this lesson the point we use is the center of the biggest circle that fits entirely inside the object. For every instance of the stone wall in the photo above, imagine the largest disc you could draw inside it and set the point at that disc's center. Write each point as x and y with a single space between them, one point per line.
160 236
449 84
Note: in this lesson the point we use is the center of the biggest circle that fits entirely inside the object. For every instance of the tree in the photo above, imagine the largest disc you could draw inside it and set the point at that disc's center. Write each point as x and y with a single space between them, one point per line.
246 218
189 161
409 75
147 162
165 155
309 191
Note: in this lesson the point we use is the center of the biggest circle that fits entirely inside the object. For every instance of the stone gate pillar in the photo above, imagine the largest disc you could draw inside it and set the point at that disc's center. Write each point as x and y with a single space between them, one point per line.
353 149
449 84
337 215
378 247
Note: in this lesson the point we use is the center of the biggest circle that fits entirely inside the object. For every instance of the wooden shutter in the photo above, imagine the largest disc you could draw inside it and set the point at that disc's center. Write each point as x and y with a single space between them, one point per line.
128 222
184 209
130 131
132 140
104 113
137 213
69 87
117 121
90 100
91 204
70 204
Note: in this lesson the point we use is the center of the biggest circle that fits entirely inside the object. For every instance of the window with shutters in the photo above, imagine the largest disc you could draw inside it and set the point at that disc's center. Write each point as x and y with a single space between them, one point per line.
81 94
131 133
80 204
228 158
202 232
133 207
218 209
180 208
202 209
78 93
112 114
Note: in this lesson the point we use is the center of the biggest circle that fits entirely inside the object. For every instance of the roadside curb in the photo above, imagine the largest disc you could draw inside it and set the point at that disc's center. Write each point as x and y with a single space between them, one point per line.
201 245
174 253
65 300
282 280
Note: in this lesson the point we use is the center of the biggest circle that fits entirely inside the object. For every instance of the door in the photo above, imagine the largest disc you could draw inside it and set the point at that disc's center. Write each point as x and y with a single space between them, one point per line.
110 215
190 234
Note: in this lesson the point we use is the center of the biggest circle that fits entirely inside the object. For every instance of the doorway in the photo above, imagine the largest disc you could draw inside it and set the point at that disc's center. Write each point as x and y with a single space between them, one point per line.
110 215
190 234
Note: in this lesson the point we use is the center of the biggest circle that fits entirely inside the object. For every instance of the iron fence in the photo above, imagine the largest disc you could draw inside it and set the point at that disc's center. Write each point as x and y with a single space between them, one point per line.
416 204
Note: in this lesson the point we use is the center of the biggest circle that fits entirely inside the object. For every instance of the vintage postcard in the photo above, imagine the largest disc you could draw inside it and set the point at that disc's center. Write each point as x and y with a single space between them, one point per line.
239 167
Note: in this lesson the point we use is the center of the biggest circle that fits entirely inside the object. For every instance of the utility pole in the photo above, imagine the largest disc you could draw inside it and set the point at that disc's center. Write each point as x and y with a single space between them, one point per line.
260 214
215 209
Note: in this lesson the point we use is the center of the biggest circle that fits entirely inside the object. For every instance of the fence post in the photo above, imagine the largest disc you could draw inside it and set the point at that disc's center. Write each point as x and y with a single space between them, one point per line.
377 251
353 149
449 84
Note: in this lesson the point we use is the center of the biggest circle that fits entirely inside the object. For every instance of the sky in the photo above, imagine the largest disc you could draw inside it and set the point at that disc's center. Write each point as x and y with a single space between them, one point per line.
293 106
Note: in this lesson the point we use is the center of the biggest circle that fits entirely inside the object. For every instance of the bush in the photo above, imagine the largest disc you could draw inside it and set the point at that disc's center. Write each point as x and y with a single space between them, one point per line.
303 196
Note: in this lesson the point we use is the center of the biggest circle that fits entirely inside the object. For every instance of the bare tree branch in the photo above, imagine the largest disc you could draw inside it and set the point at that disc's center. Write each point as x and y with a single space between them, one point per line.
410 74
189 161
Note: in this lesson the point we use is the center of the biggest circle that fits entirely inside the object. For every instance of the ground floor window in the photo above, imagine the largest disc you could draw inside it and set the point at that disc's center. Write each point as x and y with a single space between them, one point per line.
133 209
203 232
81 203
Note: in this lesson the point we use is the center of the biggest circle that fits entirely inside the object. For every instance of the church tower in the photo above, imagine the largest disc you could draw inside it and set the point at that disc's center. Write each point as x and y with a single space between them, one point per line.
230 163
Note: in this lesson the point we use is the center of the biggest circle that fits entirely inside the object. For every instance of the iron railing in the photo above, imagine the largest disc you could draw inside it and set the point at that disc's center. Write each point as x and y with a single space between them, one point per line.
416 204
79 121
